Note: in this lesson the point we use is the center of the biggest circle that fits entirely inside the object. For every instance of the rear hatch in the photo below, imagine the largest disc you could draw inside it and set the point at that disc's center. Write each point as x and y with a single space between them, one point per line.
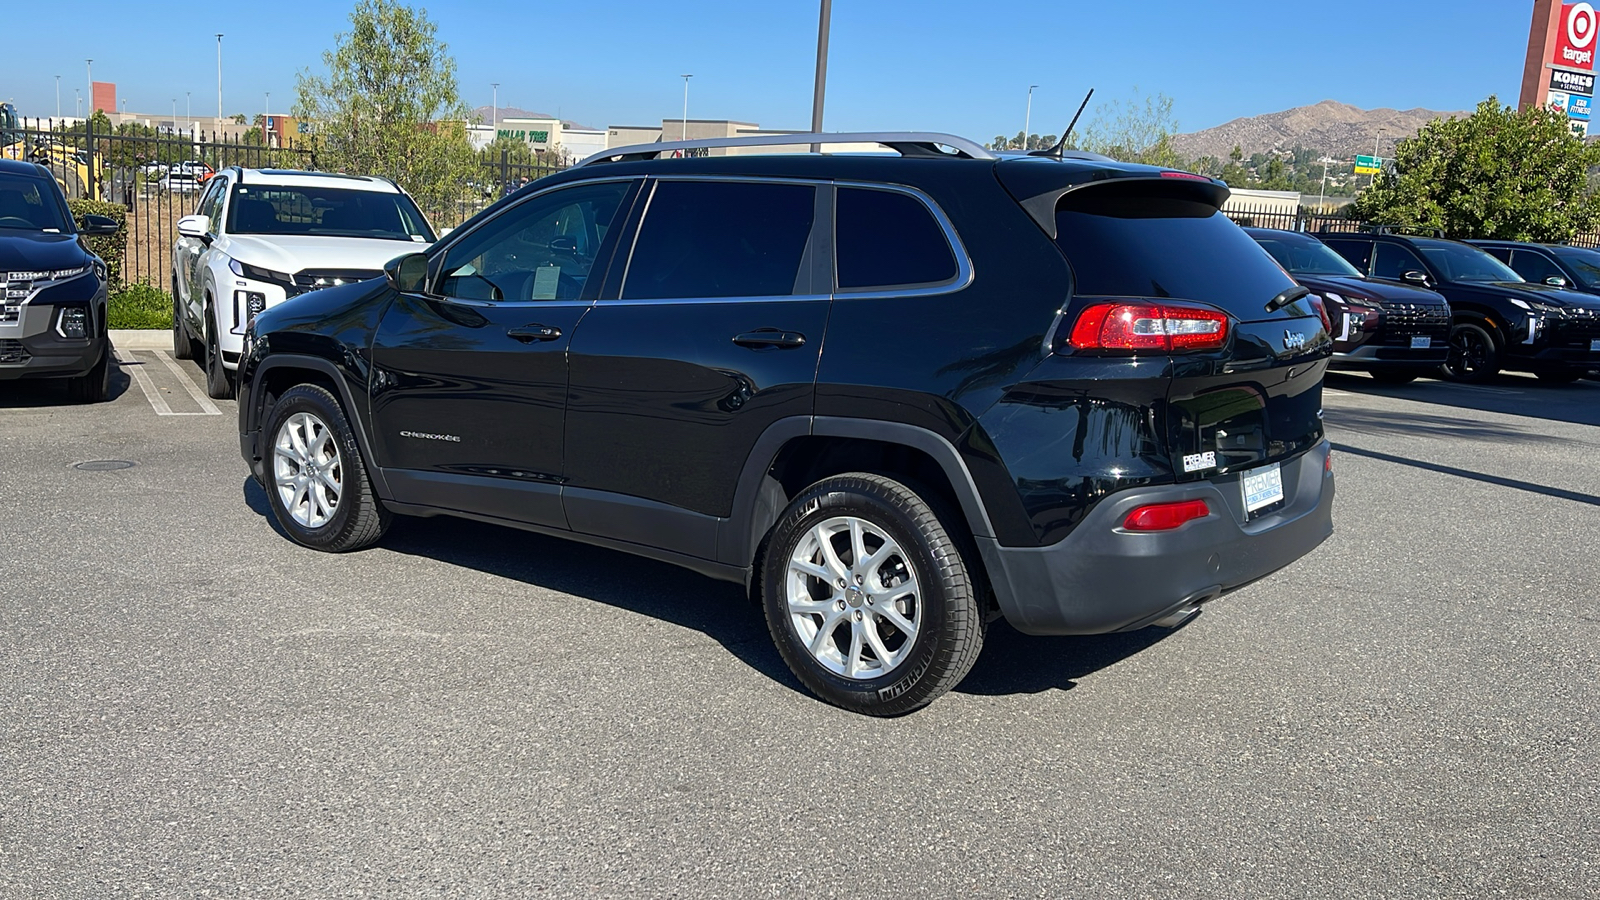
1246 401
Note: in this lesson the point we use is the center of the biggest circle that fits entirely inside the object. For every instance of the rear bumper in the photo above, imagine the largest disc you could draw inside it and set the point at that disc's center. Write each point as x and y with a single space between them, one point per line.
1101 578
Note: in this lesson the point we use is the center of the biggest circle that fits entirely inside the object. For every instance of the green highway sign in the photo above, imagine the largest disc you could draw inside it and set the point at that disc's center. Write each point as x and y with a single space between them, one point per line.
1369 165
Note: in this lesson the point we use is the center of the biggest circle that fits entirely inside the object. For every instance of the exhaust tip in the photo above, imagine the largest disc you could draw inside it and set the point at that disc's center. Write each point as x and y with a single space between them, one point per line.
1178 616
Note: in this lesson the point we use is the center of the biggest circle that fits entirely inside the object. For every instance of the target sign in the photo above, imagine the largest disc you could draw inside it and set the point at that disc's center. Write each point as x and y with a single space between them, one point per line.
1575 37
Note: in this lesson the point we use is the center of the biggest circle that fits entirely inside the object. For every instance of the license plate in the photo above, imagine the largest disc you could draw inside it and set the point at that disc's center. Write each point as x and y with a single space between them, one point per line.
1594 346
1421 343
1262 487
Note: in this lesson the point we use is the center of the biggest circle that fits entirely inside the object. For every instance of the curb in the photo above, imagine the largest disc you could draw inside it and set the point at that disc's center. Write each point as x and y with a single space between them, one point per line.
141 338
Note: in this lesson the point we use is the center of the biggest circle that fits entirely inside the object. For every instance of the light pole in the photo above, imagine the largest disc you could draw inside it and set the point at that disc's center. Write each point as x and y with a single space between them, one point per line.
219 81
266 121
77 104
1323 195
188 117
1027 119
494 112
824 25
88 67
58 96
686 107
174 115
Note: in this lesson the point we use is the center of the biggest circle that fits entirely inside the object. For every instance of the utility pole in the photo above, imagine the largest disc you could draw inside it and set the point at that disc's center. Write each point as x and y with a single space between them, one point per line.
58 96
188 117
1323 195
824 25
88 67
219 81
266 121
1027 120
685 136
494 111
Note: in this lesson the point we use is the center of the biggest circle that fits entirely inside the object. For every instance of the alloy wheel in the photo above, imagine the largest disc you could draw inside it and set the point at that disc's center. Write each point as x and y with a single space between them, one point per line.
306 470
853 598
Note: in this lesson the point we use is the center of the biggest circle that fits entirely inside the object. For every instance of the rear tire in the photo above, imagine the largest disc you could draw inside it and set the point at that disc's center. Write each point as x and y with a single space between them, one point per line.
1393 376
873 605
1474 357
93 386
316 482
219 384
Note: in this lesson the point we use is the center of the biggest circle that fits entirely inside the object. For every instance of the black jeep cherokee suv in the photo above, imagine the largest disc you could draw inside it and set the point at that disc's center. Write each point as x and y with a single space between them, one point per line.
896 396
1394 332
1499 321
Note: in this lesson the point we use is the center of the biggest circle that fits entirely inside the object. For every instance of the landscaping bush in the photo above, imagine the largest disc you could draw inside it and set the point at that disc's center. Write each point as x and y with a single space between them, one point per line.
110 247
140 306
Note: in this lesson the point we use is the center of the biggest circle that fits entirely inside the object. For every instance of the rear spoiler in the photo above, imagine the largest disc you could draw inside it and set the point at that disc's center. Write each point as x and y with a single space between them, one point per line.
1176 185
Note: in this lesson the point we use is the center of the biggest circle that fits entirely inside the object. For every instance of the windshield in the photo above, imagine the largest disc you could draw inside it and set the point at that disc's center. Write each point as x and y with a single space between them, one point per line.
1584 263
326 212
1306 256
1462 262
27 203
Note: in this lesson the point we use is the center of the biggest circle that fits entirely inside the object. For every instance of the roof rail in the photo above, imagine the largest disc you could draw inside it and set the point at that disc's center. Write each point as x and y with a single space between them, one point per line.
906 143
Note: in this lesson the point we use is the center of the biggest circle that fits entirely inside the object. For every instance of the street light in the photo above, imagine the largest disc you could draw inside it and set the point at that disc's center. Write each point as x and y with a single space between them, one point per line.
88 67
58 96
77 103
494 112
686 106
188 116
219 81
1027 119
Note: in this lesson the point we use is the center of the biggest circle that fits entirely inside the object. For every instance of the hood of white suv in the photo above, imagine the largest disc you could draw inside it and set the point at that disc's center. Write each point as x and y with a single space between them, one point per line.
293 253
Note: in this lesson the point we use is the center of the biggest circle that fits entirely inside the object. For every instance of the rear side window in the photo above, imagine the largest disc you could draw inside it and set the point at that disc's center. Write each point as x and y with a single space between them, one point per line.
1128 243
889 239
1358 252
721 239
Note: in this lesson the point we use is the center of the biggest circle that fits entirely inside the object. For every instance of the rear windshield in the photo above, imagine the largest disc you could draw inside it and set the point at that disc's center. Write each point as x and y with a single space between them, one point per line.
1123 245
1303 255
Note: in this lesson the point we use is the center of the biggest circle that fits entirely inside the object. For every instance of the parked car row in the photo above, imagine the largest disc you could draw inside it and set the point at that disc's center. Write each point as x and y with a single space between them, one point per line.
1406 304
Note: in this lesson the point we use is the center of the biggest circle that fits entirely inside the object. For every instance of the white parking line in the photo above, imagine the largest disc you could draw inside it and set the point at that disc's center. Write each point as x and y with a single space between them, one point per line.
206 405
135 370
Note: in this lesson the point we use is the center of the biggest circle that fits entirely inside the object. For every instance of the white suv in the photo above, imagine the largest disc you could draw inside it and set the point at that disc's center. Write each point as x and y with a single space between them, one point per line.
261 236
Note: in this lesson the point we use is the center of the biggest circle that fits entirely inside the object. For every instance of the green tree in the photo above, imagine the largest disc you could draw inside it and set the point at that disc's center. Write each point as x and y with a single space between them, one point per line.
1497 173
1138 129
389 104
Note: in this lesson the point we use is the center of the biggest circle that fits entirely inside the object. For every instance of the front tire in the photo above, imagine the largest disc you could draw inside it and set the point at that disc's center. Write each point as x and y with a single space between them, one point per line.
219 384
93 386
1474 357
873 605
317 484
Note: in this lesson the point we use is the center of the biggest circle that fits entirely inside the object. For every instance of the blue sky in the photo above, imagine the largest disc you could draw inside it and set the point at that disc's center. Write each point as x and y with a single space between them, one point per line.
939 65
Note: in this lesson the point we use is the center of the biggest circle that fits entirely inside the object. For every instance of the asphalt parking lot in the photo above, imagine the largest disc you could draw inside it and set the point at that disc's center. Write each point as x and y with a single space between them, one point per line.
193 706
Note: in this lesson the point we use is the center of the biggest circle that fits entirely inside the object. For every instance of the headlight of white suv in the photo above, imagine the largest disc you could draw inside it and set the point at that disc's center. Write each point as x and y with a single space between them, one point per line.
245 270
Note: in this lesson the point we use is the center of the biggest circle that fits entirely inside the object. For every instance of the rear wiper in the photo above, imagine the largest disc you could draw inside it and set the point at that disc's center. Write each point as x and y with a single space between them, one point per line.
1286 297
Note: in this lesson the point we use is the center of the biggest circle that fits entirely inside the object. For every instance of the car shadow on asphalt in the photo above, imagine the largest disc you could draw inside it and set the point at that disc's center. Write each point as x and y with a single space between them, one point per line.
1508 394
1011 663
38 393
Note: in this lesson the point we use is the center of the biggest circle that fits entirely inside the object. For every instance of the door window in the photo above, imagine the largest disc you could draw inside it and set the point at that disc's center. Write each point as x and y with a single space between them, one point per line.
1393 261
889 239
1532 265
704 239
542 249
211 203
203 206
1359 253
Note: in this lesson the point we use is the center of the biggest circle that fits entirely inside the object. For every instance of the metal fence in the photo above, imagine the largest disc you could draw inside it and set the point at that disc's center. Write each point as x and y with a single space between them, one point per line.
157 175
1299 219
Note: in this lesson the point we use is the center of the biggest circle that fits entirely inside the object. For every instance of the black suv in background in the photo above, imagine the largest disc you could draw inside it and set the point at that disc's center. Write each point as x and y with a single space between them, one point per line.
52 286
1557 265
1394 332
895 395
1500 321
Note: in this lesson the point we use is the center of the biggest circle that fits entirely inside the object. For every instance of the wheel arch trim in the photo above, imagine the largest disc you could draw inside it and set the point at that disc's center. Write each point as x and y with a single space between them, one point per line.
252 420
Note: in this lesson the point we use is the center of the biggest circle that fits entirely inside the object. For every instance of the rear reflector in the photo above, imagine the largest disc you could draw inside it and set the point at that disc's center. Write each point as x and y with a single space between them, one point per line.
1165 516
1149 326
1187 176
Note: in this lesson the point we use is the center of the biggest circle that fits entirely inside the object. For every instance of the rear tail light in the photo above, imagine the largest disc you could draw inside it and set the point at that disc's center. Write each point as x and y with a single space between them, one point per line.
1165 516
1149 326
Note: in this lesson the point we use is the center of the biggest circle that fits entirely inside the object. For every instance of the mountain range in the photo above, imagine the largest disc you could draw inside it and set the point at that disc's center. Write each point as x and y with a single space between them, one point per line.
1328 127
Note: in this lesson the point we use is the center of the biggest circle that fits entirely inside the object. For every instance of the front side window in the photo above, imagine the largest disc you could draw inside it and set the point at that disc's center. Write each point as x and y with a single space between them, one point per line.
1463 262
326 212
28 204
888 239
1532 265
1306 256
1359 253
1392 261
541 249
1584 263
704 239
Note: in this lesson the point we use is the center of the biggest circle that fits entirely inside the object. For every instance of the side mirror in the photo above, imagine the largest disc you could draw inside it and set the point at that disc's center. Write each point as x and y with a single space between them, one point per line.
407 273
1414 276
97 225
1556 281
194 226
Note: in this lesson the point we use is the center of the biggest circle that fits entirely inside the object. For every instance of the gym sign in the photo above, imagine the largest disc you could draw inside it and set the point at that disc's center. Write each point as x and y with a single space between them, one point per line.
1574 44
